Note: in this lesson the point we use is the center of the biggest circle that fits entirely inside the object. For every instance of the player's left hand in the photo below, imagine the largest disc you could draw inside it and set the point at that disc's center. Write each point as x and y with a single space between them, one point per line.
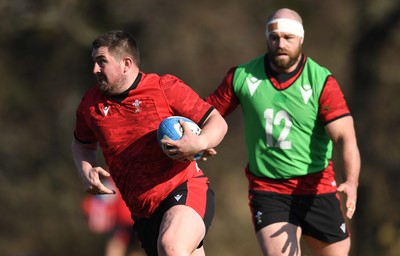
350 189
183 149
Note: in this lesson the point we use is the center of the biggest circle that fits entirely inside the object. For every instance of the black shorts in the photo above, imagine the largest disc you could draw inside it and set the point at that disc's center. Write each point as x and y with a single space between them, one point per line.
319 216
201 199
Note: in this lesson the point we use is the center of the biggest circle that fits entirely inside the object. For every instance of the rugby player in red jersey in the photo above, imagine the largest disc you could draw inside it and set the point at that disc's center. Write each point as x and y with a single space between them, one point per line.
169 197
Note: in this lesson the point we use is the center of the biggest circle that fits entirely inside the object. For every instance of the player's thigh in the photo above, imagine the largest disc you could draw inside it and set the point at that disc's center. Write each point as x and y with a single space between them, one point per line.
182 223
319 248
281 238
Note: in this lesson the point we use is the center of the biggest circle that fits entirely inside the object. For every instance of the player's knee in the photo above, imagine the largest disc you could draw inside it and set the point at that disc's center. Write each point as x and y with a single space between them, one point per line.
168 245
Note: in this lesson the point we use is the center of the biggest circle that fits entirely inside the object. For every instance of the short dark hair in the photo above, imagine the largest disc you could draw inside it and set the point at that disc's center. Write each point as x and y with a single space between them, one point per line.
119 43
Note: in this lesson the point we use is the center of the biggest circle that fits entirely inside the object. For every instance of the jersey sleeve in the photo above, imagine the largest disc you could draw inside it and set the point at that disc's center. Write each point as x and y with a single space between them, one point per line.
83 133
332 102
184 101
224 98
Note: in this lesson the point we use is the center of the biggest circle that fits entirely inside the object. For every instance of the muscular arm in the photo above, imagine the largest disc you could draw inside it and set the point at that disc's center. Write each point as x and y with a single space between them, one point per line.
343 135
213 131
85 156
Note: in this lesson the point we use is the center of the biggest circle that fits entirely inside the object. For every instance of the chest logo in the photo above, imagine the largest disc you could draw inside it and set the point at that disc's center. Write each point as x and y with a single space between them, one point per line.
253 84
136 105
105 110
306 92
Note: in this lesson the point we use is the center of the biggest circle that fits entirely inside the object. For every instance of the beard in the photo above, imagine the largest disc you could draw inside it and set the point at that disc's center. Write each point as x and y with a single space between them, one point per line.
109 89
104 86
284 60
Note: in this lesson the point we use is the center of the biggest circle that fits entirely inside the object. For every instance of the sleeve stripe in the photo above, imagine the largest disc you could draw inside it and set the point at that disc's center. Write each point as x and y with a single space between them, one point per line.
205 116
336 118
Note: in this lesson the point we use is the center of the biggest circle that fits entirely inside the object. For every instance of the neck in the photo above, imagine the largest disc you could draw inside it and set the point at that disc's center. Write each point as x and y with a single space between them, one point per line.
121 96
130 78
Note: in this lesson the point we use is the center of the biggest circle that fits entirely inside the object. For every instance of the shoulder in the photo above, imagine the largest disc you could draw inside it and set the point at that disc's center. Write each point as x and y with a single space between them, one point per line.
163 80
170 79
149 78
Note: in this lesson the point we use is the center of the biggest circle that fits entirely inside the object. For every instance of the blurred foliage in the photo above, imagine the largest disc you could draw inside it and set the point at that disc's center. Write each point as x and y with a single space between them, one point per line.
45 67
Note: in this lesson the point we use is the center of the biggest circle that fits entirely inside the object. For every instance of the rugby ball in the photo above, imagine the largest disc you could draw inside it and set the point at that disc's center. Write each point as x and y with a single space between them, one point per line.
170 128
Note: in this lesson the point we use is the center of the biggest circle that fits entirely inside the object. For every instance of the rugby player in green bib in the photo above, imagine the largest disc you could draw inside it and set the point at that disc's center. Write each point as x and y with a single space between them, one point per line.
294 113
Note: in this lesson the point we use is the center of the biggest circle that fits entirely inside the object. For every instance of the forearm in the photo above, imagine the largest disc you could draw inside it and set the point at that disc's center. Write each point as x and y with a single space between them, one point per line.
214 130
351 173
343 135
351 162
84 157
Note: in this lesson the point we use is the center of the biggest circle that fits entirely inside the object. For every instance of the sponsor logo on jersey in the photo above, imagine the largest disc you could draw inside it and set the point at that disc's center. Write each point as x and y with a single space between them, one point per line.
105 110
253 84
306 92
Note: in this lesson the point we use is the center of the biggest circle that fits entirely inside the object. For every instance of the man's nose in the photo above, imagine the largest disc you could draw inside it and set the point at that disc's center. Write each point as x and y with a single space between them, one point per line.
96 68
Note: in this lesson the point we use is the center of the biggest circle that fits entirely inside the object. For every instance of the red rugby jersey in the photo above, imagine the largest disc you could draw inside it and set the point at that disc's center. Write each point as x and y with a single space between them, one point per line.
126 131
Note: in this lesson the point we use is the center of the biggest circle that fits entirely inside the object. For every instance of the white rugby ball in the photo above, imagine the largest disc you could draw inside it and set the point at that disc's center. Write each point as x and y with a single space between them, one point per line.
170 128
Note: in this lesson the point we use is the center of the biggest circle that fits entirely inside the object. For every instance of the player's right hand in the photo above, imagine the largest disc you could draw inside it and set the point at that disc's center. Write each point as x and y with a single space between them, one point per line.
92 181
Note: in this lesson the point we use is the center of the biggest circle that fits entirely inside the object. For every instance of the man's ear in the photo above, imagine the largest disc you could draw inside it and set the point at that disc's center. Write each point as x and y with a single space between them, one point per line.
127 62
